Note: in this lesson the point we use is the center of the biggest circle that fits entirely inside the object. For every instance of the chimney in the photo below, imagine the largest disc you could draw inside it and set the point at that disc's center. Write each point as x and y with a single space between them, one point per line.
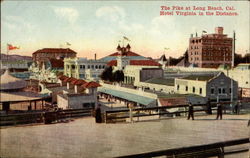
95 56
76 89
219 30
67 85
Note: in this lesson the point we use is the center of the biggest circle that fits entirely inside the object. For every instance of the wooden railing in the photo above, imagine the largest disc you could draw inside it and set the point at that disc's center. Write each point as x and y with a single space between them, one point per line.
208 150
112 116
38 117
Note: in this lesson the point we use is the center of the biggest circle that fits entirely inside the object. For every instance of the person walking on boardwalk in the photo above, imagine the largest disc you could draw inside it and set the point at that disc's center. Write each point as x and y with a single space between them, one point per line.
190 111
98 115
219 111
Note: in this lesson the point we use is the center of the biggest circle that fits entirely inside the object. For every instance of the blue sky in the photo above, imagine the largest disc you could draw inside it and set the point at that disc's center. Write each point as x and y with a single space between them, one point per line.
97 26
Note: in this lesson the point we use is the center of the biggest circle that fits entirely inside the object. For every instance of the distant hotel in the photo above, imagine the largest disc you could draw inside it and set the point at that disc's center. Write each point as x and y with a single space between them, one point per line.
45 54
210 50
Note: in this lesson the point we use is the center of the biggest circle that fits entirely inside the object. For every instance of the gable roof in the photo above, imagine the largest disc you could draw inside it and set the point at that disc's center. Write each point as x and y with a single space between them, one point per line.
91 85
78 82
161 81
55 50
199 77
144 62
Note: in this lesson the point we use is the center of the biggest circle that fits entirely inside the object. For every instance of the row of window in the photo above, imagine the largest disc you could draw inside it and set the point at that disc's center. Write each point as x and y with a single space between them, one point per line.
87 67
220 90
193 90
196 58
92 66
82 76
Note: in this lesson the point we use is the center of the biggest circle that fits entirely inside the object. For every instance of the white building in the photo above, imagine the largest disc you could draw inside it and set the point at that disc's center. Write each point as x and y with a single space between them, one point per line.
81 68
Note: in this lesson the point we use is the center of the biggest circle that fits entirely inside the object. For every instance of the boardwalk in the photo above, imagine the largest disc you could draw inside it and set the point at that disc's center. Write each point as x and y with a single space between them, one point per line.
84 138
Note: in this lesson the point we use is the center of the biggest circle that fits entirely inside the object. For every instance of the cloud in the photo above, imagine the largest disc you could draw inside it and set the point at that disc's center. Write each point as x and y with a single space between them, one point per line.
113 13
69 14
17 23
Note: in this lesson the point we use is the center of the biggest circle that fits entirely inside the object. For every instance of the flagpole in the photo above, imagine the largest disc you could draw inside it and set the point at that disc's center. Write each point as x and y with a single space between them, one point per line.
7 54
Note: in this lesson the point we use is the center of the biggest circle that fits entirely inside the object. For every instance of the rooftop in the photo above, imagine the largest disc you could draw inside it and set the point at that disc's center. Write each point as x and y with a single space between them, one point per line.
55 50
199 77
161 81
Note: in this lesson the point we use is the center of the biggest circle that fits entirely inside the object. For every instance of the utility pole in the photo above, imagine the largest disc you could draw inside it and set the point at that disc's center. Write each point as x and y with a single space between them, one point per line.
232 65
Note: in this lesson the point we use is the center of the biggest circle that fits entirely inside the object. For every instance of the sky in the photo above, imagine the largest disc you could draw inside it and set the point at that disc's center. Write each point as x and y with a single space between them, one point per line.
98 26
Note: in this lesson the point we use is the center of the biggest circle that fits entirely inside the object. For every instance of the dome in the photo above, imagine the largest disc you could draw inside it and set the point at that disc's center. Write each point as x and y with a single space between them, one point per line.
8 82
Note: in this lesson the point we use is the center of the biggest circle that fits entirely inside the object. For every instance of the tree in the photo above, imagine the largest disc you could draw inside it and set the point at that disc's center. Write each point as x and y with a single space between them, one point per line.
118 76
107 74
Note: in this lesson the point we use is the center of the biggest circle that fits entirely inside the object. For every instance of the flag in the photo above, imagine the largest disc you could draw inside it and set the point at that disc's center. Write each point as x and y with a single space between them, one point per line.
68 44
204 31
11 47
126 38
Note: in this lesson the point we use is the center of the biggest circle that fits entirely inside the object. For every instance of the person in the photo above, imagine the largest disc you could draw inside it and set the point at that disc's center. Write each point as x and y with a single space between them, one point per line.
98 116
219 111
209 108
190 111
237 108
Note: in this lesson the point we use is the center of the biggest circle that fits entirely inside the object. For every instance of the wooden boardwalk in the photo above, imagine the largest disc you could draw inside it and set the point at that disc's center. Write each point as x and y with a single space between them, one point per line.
85 138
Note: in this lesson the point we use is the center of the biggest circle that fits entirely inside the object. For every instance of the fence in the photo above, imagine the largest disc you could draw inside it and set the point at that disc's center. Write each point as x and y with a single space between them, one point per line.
112 116
208 150
37 117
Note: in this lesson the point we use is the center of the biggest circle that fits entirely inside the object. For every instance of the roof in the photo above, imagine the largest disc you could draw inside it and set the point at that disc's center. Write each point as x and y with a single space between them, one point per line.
9 82
136 62
62 77
161 81
69 79
91 85
55 50
57 63
199 77
144 62
112 63
163 58
183 63
173 101
19 96
128 96
78 82
128 53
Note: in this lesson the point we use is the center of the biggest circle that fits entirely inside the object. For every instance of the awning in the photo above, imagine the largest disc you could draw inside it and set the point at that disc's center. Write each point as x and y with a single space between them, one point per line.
128 96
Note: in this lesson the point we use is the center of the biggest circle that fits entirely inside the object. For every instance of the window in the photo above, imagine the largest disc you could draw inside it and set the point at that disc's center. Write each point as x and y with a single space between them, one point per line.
219 90
178 87
230 90
186 88
193 89
200 90
96 66
223 90
81 75
73 66
88 66
92 66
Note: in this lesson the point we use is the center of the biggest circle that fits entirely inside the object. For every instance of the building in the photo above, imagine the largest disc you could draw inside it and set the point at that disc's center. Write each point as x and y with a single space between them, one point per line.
82 68
46 54
136 68
210 50
214 87
78 93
